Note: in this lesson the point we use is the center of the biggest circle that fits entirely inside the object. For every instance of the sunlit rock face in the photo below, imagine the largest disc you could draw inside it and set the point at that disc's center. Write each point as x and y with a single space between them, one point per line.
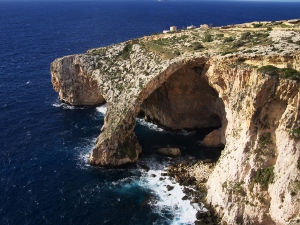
71 80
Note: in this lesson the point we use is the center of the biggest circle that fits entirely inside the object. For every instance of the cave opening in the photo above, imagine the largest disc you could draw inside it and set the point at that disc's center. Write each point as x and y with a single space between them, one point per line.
187 108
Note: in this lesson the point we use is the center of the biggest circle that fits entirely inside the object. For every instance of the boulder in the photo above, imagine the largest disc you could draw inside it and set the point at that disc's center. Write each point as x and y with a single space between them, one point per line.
173 152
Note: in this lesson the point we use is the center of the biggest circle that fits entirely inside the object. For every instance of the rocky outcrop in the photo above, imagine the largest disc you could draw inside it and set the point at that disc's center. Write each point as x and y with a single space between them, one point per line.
71 78
174 152
257 178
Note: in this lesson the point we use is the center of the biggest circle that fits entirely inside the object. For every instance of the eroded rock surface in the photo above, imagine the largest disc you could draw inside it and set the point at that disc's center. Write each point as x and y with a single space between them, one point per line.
174 81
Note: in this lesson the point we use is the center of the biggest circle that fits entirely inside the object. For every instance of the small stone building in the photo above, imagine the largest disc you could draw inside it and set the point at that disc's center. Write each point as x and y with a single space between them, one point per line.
173 28
204 26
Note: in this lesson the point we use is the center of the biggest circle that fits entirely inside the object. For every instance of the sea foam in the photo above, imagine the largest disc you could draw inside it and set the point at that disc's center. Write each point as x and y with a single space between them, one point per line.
102 109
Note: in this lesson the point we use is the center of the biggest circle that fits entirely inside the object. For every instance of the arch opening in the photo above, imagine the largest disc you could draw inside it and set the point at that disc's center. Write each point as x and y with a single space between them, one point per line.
186 101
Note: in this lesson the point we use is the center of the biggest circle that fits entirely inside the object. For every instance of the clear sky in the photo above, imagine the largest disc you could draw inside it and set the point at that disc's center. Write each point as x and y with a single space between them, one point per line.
157 0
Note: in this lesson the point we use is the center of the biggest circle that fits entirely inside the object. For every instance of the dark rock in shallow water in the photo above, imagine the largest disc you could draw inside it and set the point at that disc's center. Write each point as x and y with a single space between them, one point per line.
145 168
153 175
207 161
194 200
169 187
185 197
201 215
173 152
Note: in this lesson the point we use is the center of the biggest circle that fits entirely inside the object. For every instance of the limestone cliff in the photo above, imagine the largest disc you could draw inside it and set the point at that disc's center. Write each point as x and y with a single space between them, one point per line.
197 79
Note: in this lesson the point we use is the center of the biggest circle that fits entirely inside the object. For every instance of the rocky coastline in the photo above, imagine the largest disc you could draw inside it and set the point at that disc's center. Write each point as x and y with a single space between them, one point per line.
242 80
193 175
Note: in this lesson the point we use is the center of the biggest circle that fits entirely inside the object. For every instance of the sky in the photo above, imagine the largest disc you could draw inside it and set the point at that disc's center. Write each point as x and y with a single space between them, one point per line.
166 0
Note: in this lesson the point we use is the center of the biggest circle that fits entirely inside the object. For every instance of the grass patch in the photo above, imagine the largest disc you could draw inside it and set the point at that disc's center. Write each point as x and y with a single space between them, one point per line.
229 39
264 145
207 38
264 177
246 36
125 53
238 189
285 73
295 133
197 46
257 25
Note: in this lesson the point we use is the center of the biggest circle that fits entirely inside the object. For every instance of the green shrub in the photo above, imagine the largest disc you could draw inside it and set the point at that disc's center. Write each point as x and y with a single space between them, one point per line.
176 52
265 139
269 29
246 36
264 177
257 25
289 73
285 73
238 189
220 35
295 133
269 69
125 53
197 45
261 35
229 39
208 38
238 44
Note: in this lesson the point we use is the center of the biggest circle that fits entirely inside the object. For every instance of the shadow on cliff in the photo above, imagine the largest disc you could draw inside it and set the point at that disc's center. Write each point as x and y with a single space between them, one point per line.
185 103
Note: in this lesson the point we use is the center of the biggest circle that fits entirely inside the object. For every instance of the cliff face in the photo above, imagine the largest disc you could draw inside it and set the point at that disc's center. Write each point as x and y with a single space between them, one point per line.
257 178
71 80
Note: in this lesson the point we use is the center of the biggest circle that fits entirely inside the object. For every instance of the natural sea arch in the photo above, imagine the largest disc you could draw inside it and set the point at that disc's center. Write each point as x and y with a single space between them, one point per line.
178 98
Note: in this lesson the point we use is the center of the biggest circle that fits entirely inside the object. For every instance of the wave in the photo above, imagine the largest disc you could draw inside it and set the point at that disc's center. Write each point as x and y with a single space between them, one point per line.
63 105
151 126
102 109
155 127
168 204
84 152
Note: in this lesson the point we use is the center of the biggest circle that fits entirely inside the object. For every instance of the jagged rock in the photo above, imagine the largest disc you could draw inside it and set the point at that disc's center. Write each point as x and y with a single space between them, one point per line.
174 152
170 188
185 197
145 167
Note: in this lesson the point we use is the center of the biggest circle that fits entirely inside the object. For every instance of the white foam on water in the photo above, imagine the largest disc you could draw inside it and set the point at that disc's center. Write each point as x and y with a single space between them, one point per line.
63 105
155 127
186 133
151 126
84 153
169 202
102 109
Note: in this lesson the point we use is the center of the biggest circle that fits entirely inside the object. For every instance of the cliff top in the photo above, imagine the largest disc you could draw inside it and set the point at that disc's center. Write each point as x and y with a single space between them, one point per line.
248 39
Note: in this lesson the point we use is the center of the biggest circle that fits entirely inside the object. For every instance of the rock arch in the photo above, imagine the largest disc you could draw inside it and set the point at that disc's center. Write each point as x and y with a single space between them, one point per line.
180 97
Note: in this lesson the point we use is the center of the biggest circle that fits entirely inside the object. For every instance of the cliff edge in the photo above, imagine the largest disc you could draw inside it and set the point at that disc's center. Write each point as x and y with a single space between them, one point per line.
241 80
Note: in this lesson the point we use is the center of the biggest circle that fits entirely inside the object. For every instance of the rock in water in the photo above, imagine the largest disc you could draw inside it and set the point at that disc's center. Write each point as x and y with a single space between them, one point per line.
173 152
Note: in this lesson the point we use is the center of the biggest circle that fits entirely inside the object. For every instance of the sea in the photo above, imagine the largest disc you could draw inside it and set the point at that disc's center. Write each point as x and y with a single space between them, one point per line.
44 143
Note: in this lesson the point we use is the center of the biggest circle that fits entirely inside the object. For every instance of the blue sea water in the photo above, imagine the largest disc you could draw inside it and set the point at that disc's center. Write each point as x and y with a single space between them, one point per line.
45 178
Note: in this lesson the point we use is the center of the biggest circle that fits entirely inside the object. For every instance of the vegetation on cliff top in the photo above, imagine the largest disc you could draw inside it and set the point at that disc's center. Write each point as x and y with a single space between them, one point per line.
285 73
